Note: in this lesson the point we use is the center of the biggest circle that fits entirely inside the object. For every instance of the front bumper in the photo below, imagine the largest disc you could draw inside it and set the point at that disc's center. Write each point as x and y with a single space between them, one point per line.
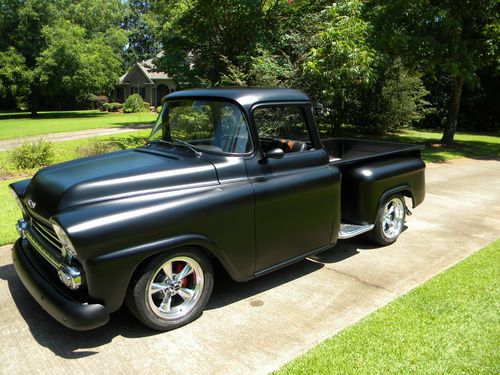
62 307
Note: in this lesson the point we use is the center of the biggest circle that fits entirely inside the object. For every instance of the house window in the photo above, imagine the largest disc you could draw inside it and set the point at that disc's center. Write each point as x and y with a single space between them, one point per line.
142 92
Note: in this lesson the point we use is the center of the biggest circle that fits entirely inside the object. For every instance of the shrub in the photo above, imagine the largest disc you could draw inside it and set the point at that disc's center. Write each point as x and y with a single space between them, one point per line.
134 103
146 106
97 101
112 107
115 107
32 155
95 147
132 141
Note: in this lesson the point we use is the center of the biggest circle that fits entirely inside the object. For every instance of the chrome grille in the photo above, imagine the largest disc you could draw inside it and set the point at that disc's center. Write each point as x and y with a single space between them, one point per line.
47 234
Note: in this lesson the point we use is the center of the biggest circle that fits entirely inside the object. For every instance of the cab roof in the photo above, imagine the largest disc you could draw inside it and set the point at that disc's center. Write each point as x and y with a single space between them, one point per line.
244 96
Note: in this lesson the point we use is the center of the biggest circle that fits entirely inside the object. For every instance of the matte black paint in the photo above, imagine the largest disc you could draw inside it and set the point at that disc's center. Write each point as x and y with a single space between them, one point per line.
64 308
254 214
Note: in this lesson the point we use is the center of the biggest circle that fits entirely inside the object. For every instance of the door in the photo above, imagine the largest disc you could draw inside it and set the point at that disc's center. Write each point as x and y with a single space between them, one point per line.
297 198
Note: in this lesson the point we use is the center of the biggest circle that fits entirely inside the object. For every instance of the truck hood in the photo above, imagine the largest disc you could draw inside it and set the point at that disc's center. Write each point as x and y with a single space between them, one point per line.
111 176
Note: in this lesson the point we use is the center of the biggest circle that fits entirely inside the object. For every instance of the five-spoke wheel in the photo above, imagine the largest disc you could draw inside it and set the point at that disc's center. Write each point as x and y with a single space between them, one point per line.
172 289
390 221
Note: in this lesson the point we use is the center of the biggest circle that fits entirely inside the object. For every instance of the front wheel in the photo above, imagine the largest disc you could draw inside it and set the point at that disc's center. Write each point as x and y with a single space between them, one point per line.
389 222
172 289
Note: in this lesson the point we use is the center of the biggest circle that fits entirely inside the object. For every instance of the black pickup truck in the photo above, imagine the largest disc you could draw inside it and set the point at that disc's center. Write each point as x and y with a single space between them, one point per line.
238 176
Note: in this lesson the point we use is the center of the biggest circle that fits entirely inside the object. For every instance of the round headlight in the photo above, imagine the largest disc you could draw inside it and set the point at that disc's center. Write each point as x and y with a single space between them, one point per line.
63 238
17 200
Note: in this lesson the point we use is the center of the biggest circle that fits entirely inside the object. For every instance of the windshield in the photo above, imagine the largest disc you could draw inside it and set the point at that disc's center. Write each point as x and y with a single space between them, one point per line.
205 125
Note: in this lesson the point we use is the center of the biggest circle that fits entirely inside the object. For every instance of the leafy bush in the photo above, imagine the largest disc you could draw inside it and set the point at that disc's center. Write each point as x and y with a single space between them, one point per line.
115 107
95 147
98 147
32 155
134 104
398 102
97 101
146 105
131 141
112 107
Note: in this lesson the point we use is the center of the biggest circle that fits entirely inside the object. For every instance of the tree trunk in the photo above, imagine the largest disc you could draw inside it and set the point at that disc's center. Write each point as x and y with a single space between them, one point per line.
451 121
33 100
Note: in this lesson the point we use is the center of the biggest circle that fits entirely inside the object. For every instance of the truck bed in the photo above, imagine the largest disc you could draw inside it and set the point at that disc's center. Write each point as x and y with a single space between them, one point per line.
344 151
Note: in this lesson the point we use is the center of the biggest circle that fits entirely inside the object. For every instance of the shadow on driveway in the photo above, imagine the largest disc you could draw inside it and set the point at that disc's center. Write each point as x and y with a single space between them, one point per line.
70 344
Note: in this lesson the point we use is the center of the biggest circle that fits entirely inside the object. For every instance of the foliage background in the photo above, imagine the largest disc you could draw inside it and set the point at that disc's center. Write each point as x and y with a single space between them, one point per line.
378 65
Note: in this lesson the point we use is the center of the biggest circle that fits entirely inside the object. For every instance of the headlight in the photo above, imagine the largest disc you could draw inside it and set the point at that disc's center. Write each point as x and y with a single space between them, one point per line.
63 238
17 200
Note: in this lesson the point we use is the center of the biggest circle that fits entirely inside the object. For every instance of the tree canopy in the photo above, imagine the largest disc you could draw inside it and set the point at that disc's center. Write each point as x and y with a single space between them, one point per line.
59 49
377 65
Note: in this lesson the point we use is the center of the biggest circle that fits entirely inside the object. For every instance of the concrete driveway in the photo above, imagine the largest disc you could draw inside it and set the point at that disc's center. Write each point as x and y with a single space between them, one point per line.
9 144
256 327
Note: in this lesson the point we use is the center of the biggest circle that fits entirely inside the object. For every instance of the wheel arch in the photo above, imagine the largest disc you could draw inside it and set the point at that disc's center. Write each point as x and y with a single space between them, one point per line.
119 267
403 190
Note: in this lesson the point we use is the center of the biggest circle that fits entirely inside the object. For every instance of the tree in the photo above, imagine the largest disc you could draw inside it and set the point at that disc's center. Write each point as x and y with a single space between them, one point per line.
74 65
13 77
202 38
142 41
453 37
63 47
341 65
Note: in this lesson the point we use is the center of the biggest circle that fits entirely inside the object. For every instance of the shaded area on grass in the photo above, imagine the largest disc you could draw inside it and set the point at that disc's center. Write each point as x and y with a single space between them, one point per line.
51 115
449 325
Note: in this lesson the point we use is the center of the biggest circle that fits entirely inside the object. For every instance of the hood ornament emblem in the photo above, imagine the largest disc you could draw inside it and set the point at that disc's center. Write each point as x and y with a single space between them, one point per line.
31 204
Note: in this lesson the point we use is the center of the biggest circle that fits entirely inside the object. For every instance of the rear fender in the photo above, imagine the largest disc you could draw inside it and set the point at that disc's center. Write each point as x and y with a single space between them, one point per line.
365 187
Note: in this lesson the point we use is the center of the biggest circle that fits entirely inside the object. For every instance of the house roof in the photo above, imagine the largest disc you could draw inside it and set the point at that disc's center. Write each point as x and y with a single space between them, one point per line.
148 68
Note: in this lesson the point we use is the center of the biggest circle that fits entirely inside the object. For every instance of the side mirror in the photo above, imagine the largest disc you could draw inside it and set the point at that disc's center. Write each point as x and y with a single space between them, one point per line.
275 153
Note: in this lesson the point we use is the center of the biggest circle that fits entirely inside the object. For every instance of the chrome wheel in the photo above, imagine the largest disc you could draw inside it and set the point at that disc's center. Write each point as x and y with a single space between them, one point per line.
393 218
175 288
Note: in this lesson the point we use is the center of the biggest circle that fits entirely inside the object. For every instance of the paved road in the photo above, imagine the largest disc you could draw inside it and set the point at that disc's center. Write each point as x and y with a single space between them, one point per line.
257 326
68 136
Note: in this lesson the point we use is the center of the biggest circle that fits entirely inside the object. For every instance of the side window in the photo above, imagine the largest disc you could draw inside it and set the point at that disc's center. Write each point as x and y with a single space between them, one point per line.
281 126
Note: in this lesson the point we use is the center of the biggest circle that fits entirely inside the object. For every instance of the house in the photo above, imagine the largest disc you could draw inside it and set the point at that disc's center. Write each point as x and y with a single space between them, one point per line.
142 79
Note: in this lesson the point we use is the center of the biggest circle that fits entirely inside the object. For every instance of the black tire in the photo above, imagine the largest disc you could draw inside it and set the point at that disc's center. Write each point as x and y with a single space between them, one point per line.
383 234
164 303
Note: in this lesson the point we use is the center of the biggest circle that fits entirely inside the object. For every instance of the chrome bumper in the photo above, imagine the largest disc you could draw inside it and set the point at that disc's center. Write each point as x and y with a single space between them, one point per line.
69 275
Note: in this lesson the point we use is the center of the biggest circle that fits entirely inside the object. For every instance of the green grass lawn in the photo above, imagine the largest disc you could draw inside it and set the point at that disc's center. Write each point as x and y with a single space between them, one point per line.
448 325
466 144
68 150
64 151
10 213
20 124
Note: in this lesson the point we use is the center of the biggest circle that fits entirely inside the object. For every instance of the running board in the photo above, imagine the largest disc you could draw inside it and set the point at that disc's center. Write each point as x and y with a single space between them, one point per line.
353 230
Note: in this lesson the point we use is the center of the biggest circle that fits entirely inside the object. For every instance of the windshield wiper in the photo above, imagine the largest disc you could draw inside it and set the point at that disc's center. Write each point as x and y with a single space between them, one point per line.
188 145
178 142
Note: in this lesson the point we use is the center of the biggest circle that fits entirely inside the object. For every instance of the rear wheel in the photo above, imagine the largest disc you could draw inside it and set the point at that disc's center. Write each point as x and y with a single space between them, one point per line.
172 289
389 222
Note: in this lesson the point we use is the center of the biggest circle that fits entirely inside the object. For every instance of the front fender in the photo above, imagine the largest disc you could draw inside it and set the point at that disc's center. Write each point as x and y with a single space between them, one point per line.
112 238
109 275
